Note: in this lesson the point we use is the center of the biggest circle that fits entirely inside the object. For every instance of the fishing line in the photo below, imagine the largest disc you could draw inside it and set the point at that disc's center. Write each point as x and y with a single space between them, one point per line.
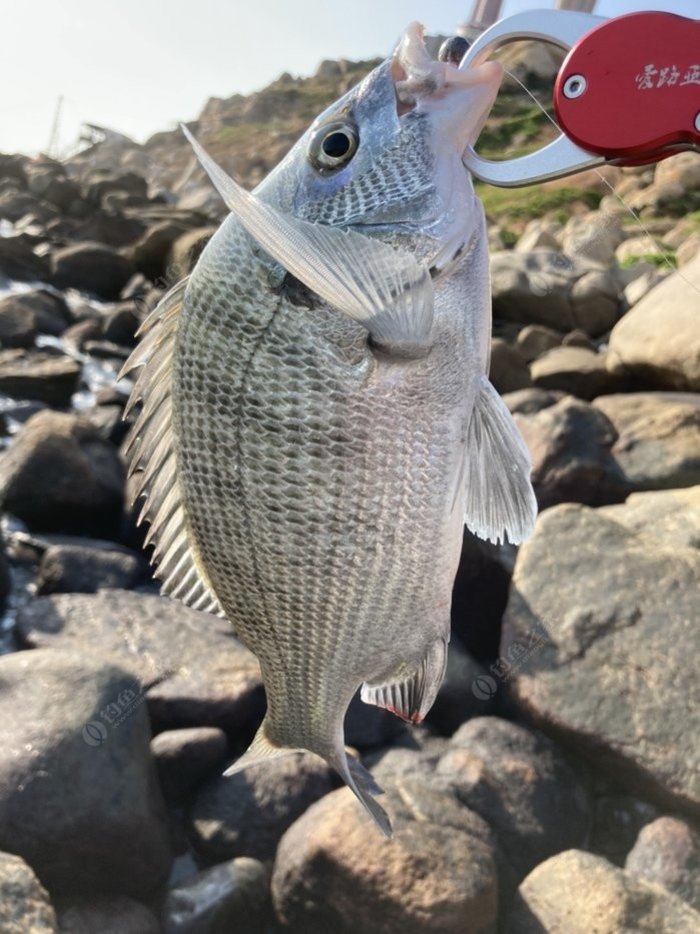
607 184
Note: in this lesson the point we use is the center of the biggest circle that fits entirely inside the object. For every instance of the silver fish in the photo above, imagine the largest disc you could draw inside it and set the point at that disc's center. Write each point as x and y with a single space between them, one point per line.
316 421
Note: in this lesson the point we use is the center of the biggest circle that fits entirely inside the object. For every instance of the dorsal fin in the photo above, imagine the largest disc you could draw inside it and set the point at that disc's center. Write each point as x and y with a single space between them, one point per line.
151 454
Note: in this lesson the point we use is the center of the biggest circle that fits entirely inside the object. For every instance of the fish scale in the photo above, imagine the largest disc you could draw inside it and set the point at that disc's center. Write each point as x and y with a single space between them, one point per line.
316 423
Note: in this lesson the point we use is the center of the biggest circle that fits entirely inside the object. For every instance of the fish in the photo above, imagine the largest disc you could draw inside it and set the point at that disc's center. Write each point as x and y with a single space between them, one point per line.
315 420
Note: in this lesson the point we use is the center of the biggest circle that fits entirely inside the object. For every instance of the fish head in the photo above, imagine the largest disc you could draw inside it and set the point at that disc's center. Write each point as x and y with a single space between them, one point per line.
386 159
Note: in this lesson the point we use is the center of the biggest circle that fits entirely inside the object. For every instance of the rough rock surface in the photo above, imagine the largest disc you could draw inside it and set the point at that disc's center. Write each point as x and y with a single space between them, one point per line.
75 771
438 873
575 370
579 893
600 678
32 374
521 784
659 339
60 475
184 758
25 907
667 852
78 569
195 671
246 814
571 443
670 517
658 443
106 914
231 897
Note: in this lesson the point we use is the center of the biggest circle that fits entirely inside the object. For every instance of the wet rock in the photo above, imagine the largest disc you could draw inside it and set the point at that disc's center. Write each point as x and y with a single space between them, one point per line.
184 758
15 204
571 443
601 677
120 325
195 671
151 252
672 517
47 377
78 796
19 261
103 183
437 874
59 475
186 250
659 339
81 569
523 787
25 907
535 339
110 228
247 813
657 445
106 914
232 897
508 371
617 822
575 370
26 314
577 893
667 852
91 267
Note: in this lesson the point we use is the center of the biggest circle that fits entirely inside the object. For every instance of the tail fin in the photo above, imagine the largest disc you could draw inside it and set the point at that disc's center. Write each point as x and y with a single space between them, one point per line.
259 750
361 782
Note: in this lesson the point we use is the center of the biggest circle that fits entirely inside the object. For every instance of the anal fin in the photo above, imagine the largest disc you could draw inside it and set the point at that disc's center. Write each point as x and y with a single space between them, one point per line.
500 501
412 697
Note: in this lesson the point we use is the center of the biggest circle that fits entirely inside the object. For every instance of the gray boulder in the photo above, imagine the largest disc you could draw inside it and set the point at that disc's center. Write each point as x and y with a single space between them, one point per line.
576 370
659 339
658 437
578 893
247 813
32 374
195 671
78 793
571 443
234 896
25 907
60 475
667 853
185 758
616 610
333 872
522 785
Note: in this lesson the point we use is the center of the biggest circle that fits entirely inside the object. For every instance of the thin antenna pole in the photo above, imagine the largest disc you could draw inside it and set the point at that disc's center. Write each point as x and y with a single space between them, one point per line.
55 129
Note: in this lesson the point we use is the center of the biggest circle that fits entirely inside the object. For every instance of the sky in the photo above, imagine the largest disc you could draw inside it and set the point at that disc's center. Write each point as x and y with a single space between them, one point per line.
139 66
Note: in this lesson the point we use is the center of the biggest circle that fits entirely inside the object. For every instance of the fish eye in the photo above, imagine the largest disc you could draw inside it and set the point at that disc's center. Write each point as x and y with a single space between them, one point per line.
333 146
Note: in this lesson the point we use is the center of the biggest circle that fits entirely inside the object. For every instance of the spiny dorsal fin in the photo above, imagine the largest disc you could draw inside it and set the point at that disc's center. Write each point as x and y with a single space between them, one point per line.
151 454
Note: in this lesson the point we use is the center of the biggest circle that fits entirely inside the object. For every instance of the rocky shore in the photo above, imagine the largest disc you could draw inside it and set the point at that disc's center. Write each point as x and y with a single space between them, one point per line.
555 785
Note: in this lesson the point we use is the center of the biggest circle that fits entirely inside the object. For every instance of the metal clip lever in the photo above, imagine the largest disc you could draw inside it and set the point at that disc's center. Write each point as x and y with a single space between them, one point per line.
600 93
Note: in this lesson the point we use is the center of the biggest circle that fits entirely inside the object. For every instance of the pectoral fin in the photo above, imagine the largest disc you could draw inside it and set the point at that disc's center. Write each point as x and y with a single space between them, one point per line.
412 697
500 500
385 289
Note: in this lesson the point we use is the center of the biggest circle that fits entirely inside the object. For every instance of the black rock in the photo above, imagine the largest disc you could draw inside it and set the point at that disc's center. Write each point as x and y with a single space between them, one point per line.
93 268
59 475
184 758
19 261
45 376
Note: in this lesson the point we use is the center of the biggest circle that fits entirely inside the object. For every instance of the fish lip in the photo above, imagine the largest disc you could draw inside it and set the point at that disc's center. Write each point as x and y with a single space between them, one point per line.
417 76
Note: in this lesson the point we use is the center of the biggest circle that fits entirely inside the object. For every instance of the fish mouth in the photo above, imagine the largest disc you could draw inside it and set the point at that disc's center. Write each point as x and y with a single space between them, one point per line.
459 98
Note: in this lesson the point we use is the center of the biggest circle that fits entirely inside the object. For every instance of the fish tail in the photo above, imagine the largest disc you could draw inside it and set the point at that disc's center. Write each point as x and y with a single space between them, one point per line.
261 749
361 782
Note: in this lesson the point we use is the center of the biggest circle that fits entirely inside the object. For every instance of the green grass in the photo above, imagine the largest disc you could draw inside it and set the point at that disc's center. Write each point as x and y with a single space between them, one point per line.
655 259
516 204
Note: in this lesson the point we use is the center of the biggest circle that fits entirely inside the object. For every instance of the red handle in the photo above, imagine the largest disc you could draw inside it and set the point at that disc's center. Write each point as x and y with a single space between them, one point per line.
631 87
